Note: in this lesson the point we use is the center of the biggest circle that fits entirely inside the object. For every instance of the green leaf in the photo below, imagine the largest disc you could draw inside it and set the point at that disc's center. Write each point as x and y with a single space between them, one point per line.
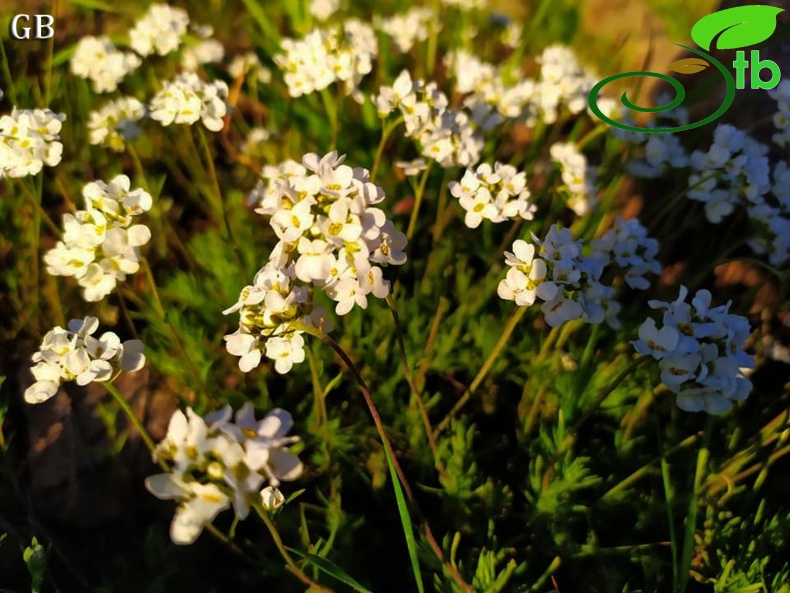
688 65
739 27
405 519
331 569
95 5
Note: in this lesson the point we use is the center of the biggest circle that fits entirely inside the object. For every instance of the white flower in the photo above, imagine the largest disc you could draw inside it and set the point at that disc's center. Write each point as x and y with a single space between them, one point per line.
734 170
96 59
200 504
218 462
159 30
699 349
408 28
342 54
116 123
29 139
323 9
497 194
285 351
577 176
205 52
411 168
100 245
271 498
555 271
73 354
188 99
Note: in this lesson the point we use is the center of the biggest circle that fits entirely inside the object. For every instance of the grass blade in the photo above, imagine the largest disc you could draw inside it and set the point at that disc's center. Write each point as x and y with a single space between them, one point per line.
331 569
405 519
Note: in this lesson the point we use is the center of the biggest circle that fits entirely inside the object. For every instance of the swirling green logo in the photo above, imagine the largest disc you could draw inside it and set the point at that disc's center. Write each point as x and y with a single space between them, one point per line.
732 28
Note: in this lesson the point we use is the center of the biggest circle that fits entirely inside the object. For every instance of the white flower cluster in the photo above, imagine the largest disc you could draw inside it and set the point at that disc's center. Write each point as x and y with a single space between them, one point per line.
323 9
735 166
700 352
217 462
116 123
557 272
160 30
74 354
330 237
188 99
497 194
97 60
100 244
628 245
407 28
773 221
206 51
563 82
781 94
29 139
492 97
343 54
662 152
444 134
577 176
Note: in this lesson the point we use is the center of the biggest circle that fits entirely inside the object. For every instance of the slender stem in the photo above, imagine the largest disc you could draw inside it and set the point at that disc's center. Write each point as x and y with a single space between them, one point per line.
645 469
571 438
9 80
418 201
426 360
691 517
331 111
438 227
173 333
152 285
289 561
385 134
318 333
414 387
113 390
31 197
673 201
481 374
219 202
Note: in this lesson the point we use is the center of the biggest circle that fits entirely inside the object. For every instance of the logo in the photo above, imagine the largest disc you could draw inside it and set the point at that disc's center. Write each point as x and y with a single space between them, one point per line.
732 28
43 26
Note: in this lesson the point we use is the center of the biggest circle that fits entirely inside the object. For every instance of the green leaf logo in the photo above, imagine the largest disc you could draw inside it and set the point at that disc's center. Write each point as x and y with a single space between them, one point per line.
739 27
688 65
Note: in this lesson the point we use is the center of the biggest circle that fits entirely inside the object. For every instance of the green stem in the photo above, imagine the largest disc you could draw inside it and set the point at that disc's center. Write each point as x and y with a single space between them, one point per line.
331 111
645 469
118 396
407 371
385 134
418 201
173 333
511 324
433 38
36 202
691 517
9 80
289 561
219 202
390 452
